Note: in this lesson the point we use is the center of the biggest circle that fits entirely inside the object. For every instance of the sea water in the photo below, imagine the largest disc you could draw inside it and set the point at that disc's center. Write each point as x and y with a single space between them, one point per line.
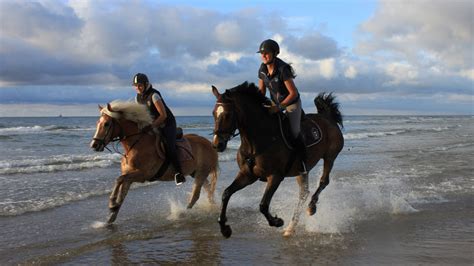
401 192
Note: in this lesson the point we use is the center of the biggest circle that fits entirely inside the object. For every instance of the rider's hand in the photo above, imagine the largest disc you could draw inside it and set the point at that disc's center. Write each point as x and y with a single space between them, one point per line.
272 109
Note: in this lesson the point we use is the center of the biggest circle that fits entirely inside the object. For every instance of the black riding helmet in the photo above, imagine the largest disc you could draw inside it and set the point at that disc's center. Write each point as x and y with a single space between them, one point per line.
269 46
140 78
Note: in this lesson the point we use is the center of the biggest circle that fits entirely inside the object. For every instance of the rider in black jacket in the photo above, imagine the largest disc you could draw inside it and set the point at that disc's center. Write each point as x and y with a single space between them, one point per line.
163 119
277 76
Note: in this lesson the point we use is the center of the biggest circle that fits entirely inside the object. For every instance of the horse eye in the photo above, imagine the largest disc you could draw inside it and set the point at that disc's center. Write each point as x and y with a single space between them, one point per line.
106 124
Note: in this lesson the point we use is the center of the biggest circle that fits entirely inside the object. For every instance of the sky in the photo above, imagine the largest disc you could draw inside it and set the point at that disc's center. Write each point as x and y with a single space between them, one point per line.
388 57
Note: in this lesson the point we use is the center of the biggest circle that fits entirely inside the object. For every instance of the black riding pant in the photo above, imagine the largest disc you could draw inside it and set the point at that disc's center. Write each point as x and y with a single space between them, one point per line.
169 134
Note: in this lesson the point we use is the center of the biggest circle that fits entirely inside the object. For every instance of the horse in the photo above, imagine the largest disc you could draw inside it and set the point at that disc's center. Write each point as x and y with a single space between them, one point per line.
142 160
264 154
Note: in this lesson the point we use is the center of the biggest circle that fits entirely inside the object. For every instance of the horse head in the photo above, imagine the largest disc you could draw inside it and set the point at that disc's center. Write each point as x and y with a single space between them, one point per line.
225 120
243 108
106 129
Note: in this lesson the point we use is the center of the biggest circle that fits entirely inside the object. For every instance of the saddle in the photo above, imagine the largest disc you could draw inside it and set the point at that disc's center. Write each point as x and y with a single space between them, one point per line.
310 131
183 147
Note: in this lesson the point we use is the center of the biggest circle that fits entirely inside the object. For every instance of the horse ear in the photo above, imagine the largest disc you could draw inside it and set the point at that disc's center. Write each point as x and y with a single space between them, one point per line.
109 108
100 107
215 91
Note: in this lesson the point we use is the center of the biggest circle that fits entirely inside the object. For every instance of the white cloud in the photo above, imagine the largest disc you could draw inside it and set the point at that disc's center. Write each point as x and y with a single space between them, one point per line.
411 47
440 30
351 72
401 73
327 68
467 73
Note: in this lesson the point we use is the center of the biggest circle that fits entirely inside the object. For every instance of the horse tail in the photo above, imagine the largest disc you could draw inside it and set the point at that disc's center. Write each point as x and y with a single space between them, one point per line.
213 182
328 107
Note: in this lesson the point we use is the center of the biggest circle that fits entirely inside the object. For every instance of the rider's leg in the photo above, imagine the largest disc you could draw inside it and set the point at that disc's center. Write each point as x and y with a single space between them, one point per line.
294 116
169 133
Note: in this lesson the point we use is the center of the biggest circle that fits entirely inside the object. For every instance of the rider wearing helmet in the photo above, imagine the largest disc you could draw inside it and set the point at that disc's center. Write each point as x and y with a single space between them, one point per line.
277 76
163 119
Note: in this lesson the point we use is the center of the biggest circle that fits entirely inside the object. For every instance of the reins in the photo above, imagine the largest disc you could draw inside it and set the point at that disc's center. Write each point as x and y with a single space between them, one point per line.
120 138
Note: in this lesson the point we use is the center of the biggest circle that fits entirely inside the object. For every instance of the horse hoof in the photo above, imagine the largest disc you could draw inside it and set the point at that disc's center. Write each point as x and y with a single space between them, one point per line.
277 222
288 233
311 210
226 231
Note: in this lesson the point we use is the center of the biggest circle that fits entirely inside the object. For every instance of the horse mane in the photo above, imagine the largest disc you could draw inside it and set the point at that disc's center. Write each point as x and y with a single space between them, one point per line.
131 111
248 89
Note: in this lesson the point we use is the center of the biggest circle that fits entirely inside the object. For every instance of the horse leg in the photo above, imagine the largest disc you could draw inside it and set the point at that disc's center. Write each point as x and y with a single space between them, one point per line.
304 191
118 195
113 194
323 182
210 193
241 180
272 185
198 182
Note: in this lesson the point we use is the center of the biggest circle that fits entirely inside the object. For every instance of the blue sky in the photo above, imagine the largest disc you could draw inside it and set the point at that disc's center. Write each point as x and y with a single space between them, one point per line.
378 57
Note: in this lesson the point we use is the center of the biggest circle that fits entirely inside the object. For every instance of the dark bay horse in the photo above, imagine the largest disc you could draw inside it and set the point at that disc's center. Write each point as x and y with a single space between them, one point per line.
125 121
263 153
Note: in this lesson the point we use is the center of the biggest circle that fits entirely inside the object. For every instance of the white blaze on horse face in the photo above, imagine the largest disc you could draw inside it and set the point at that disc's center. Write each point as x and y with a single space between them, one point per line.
98 127
219 111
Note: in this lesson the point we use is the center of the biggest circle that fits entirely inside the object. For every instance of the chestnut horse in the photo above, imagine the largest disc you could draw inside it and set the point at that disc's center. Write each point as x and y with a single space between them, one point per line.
125 122
264 153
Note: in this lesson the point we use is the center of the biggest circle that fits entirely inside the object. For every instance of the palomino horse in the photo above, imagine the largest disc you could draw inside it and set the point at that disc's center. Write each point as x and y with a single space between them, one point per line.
264 153
125 121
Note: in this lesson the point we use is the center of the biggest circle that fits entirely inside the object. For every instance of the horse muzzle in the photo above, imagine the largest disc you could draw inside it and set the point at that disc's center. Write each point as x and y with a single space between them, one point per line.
219 144
97 145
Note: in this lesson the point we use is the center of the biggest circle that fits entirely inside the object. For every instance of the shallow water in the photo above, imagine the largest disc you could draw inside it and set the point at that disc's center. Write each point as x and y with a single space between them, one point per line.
400 193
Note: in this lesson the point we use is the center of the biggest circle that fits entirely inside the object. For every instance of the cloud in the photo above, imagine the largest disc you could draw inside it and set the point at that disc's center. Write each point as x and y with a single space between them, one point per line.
424 33
314 46
85 51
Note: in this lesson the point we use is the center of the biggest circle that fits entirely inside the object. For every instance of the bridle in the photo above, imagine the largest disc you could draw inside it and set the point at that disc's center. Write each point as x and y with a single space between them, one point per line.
121 136
227 135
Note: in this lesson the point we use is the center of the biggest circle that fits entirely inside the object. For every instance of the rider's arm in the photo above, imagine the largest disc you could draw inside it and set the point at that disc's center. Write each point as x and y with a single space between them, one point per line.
162 110
261 87
293 92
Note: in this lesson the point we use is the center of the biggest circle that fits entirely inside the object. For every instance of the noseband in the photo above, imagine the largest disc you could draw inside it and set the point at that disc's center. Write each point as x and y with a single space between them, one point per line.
121 136
109 131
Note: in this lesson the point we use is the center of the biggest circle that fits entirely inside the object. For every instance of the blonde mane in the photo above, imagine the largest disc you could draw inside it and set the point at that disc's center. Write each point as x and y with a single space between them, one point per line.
131 111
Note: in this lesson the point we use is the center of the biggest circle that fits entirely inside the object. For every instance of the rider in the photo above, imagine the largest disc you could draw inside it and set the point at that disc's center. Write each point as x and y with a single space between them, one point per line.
163 119
277 76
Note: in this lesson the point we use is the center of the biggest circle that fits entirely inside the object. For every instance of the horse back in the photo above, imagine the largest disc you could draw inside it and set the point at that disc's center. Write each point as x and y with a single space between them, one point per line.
331 133
202 149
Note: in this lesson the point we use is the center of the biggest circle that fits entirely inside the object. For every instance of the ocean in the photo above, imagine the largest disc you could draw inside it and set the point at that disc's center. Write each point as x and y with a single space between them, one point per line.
401 192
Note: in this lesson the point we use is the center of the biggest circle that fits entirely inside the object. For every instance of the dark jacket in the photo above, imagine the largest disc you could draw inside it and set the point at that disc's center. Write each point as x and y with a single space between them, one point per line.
275 82
147 99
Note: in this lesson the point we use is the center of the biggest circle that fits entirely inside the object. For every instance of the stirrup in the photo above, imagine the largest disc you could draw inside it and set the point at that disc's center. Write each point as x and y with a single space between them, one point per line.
179 179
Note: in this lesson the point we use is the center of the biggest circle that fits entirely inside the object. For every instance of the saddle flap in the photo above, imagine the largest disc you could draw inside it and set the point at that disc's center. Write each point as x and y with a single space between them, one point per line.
309 129
311 132
184 149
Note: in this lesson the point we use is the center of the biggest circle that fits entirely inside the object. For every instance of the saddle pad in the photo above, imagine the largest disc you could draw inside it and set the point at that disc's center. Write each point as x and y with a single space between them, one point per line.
183 149
311 132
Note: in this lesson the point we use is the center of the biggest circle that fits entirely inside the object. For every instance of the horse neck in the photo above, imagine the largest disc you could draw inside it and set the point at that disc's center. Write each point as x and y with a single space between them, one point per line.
129 131
253 123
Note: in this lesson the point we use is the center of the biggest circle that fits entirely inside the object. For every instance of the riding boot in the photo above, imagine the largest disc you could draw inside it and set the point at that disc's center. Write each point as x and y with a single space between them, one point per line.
301 150
178 177
171 153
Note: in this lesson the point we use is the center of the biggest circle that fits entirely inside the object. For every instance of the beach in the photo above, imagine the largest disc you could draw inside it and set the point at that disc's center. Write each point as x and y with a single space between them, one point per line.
401 193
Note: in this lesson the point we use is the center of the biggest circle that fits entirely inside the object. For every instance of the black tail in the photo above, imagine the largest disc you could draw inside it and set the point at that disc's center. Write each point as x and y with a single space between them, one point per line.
327 106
